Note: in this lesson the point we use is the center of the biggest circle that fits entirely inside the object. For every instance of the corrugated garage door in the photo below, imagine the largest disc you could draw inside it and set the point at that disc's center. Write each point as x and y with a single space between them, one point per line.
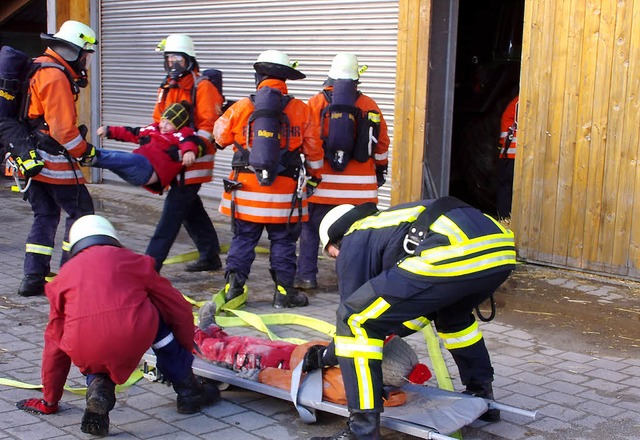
229 35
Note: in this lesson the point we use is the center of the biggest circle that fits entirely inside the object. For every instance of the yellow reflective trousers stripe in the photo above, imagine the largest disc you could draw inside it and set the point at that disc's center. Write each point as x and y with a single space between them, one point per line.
463 338
362 349
39 249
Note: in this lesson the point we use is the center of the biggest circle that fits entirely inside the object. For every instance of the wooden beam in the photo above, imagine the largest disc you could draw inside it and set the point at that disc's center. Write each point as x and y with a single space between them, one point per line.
78 10
411 100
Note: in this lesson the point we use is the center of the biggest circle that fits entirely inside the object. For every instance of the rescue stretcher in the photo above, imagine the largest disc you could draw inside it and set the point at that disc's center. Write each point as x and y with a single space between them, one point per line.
429 412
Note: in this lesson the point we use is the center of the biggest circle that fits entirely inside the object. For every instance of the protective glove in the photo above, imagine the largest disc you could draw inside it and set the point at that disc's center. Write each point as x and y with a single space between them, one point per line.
312 185
381 175
313 358
37 406
90 156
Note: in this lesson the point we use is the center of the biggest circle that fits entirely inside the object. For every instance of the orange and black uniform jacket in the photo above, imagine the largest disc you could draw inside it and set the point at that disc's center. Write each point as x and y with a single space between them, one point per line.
53 99
357 183
269 204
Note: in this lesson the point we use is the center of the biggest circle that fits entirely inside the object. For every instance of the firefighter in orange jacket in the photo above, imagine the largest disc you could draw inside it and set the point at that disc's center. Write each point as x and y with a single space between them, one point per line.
264 187
183 205
358 180
60 185
506 160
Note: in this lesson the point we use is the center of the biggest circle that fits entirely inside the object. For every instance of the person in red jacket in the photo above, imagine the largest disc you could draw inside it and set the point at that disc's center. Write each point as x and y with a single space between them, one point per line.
355 182
51 109
183 205
264 184
165 147
108 305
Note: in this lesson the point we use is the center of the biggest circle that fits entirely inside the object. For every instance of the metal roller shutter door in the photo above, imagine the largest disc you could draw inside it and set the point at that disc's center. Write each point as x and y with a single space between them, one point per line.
229 35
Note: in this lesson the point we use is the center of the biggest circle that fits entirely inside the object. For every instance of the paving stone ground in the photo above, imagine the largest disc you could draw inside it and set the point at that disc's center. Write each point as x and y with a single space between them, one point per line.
577 395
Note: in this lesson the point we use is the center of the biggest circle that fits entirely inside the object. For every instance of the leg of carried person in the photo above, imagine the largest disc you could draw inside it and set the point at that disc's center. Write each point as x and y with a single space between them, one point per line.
134 169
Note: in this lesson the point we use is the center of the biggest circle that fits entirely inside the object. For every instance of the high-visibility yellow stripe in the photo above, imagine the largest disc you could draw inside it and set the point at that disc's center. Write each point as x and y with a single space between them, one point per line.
443 225
387 219
355 321
464 267
362 349
417 324
66 246
39 249
347 346
463 338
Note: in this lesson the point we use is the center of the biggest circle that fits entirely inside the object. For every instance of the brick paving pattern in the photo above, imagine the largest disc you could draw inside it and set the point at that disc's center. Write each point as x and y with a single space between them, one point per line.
577 396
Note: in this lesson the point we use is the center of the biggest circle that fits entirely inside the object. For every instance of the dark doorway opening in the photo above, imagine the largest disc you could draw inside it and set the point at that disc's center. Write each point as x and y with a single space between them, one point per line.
21 24
487 75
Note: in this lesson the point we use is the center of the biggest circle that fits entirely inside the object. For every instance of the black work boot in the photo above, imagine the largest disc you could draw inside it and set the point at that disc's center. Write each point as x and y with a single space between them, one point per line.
101 398
193 394
360 426
205 264
485 391
32 285
286 297
234 288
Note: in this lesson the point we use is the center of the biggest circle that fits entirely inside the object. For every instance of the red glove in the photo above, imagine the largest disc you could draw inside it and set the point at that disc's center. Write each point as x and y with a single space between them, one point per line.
37 406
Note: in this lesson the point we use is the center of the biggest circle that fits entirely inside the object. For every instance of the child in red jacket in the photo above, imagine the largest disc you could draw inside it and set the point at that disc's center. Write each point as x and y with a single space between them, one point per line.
165 147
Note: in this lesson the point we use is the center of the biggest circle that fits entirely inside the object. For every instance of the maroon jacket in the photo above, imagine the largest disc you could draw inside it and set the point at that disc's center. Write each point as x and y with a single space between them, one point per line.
104 307
155 146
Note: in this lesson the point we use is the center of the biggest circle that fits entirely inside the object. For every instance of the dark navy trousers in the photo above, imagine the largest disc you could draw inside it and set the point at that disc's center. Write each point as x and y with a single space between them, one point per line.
310 241
47 202
282 255
183 206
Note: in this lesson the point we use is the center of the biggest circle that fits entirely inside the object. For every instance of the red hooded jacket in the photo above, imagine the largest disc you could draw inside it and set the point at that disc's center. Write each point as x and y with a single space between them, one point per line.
156 148
104 309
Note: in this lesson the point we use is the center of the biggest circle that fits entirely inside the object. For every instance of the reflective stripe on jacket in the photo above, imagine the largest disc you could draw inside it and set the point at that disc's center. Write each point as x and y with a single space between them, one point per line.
53 100
357 183
269 204
208 109
462 243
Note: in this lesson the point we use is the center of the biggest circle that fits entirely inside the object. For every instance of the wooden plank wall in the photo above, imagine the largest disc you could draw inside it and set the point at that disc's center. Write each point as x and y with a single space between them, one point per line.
411 100
577 171
78 10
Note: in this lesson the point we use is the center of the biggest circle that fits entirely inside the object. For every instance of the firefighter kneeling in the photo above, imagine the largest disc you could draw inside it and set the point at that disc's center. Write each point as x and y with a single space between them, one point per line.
108 306
434 260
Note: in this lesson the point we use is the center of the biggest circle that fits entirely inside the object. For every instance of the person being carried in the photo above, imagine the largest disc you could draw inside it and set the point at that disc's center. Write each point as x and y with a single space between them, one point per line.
108 305
165 148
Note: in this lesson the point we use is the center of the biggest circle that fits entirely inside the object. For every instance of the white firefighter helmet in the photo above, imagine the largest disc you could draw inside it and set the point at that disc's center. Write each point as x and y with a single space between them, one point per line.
77 33
91 230
277 64
178 43
344 66
329 220
72 38
339 219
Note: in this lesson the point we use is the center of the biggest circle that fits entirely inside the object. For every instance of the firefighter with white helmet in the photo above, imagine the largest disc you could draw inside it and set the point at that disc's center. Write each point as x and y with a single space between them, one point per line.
262 191
108 305
183 205
51 110
355 144
399 269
